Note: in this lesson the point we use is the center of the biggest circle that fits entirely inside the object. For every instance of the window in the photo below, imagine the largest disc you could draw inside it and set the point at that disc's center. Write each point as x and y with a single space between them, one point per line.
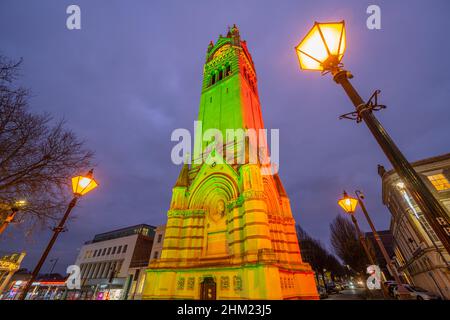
213 78
109 251
159 238
155 255
95 253
180 284
220 75
125 248
439 181
119 249
114 250
104 251
227 70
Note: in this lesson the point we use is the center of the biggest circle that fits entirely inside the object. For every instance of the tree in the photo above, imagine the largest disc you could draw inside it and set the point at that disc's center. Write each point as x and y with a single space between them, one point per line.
38 156
314 253
345 242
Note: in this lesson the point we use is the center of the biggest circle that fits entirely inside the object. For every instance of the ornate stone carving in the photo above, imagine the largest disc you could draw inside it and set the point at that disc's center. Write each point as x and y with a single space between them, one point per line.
185 213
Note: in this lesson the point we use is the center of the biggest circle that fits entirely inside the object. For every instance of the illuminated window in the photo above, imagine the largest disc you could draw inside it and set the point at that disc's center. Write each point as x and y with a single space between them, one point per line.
439 181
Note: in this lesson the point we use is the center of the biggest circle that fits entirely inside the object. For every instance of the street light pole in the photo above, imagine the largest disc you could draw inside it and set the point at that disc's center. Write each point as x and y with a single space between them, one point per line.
18 205
8 219
55 261
377 238
322 49
433 210
80 186
56 232
362 240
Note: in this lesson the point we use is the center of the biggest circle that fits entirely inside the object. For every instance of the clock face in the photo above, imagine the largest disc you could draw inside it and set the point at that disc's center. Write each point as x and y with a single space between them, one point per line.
221 51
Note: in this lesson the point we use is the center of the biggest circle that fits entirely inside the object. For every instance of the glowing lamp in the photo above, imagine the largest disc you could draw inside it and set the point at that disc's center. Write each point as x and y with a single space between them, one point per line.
20 203
83 184
323 47
348 203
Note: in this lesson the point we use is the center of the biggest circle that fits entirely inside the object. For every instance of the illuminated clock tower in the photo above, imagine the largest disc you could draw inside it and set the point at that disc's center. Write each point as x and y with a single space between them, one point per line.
230 233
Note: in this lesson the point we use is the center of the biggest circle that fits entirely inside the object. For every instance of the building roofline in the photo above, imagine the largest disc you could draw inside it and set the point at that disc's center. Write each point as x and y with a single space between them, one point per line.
125 228
386 177
442 157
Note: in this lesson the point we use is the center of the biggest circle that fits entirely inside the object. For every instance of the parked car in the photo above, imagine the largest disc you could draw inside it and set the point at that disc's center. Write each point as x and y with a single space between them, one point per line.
417 293
322 292
332 288
390 286
339 286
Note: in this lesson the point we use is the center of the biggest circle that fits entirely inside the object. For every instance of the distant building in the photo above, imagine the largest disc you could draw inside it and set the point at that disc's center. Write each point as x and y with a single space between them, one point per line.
9 264
388 242
139 272
158 242
110 264
419 255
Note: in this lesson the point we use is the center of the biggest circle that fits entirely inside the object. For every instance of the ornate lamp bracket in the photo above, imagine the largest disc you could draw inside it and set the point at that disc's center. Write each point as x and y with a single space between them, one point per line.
371 105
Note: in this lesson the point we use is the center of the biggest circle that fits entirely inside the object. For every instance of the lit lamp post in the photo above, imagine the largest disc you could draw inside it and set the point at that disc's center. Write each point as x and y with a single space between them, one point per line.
322 50
18 205
349 205
80 186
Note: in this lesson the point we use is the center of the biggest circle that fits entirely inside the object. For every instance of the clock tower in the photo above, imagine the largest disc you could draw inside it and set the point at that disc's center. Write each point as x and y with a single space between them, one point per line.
230 233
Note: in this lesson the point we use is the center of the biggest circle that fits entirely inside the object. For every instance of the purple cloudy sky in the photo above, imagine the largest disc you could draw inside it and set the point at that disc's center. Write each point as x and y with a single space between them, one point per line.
133 74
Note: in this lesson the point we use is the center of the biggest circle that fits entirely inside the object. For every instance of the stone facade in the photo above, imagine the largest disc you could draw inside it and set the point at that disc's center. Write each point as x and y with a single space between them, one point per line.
420 257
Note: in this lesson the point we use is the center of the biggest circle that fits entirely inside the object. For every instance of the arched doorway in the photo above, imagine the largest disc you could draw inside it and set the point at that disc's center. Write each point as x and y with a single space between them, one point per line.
208 289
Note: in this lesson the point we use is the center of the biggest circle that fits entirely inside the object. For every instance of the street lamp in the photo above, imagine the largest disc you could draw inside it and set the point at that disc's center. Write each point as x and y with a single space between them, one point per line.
349 205
16 207
403 292
81 185
322 49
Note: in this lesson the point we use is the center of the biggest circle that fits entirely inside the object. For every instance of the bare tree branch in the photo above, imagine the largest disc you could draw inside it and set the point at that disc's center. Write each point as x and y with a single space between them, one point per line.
38 156
345 241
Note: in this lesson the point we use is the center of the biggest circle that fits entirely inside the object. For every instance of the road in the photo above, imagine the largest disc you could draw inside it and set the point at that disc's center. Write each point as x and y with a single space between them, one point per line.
349 294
